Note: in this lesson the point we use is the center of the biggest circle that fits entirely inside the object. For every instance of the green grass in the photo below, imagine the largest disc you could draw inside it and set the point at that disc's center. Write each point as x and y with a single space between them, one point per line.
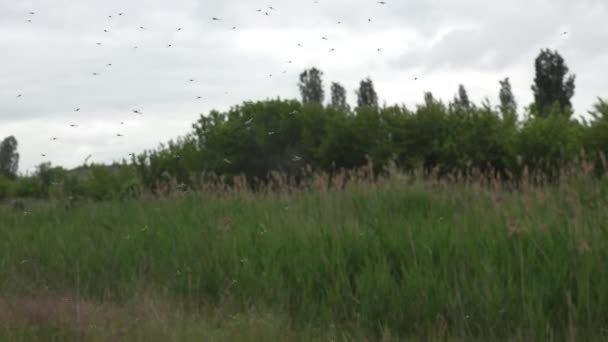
390 261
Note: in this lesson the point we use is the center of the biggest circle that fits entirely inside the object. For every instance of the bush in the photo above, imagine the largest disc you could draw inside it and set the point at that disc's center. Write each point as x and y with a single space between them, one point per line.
596 135
106 182
548 144
256 139
29 187
5 188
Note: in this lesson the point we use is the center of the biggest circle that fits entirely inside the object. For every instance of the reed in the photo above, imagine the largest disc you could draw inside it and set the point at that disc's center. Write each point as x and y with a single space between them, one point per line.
349 256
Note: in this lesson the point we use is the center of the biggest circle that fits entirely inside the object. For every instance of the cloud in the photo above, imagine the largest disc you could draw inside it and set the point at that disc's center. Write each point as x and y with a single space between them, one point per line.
50 60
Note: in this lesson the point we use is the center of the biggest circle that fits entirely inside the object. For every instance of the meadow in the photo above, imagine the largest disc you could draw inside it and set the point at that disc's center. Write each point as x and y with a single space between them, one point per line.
401 258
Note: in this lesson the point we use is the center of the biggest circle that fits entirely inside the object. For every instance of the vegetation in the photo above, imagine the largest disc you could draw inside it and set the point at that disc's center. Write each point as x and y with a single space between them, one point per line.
289 220
9 158
394 258
552 85
288 136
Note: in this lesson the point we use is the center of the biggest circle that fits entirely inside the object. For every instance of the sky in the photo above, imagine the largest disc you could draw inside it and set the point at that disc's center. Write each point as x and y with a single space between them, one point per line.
48 60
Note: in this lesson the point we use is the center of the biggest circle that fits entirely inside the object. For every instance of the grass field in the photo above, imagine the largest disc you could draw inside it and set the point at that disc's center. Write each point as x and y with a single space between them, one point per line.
391 261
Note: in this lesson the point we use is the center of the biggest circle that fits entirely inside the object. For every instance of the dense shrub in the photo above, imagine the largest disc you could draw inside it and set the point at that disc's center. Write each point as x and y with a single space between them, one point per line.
102 182
550 143
251 142
596 135
257 138
5 188
29 186
254 139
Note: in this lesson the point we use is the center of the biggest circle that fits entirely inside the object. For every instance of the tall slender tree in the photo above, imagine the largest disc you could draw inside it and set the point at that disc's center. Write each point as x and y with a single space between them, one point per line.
366 95
552 83
507 99
9 158
508 105
429 99
338 96
311 86
461 100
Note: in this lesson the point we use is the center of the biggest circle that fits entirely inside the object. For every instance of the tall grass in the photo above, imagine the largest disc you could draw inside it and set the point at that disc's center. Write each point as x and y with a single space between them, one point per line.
397 258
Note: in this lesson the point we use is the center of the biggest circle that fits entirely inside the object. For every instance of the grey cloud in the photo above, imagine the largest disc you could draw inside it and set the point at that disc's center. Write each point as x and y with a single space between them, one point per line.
50 60
506 33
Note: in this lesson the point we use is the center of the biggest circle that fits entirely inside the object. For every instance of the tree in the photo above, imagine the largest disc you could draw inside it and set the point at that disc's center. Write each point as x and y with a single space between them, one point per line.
366 95
597 132
461 100
311 86
552 84
507 99
338 96
508 106
9 158
600 110
429 99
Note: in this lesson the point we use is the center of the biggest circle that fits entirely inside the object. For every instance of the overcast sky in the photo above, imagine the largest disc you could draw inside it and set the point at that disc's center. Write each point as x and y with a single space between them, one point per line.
50 61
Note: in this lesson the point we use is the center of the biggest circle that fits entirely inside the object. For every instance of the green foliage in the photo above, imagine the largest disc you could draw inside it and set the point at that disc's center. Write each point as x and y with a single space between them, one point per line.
311 86
426 133
461 101
104 182
552 84
596 135
5 187
478 139
296 139
96 182
49 176
547 144
28 186
338 97
366 95
255 139
508 105
9 158
417 261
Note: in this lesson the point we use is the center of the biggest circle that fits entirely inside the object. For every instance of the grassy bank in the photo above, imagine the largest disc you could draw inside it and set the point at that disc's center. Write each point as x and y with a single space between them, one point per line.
395 260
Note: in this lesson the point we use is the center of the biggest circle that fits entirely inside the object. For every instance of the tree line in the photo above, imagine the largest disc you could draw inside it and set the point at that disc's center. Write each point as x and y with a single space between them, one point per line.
254 139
